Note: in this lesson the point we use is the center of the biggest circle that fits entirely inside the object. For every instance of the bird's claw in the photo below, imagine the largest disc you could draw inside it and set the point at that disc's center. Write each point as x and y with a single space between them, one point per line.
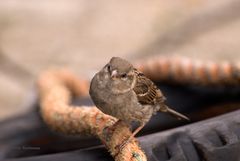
120 147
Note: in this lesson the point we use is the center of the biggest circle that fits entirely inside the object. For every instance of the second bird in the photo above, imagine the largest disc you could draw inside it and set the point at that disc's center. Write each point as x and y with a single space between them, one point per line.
120 90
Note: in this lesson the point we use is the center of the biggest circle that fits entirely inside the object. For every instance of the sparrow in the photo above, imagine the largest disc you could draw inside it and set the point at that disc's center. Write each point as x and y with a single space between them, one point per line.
120 90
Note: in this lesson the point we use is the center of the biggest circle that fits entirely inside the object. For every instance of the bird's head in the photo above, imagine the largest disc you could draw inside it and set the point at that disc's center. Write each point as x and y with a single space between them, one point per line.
119 68
120 72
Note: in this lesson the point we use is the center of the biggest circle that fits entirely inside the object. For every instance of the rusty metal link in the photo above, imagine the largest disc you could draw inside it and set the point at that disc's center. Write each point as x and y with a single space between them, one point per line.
190 71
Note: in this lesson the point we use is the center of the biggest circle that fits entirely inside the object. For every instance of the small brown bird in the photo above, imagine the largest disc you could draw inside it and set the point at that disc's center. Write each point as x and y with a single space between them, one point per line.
121 91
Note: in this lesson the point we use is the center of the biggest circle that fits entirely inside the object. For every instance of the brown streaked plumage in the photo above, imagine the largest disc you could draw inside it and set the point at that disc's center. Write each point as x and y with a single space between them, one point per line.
127 94
146 91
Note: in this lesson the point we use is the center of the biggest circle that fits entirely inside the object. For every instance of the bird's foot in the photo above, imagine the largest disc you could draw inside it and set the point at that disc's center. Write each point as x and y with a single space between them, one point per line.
120 147
112 128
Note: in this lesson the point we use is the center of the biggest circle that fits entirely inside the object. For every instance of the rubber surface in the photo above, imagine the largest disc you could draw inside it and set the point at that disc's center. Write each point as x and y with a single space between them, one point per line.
215 139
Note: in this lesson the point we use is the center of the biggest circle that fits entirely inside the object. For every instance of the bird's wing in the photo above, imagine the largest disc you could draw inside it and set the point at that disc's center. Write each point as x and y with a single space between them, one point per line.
146 91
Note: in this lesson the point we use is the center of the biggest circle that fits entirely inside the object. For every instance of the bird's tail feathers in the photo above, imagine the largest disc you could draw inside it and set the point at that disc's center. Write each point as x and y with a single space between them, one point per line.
166 109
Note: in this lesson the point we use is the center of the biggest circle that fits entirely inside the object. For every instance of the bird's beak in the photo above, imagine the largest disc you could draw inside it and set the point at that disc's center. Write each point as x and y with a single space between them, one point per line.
114 74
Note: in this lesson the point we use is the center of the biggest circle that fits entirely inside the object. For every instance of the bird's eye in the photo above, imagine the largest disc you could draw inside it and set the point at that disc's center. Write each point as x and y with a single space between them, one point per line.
109 68
124 75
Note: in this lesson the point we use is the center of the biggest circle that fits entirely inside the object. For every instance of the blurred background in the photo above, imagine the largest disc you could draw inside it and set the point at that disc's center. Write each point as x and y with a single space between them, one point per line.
83 35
